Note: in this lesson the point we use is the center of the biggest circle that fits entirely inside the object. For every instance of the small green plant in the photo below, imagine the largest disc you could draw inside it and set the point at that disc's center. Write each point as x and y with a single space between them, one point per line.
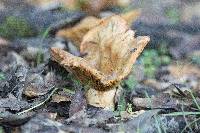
81 3
196 60
152 59
122 104
173 14
2 77
39 57
1 129
163 52
131 82
69 90
45 33
129 108
195 57
151 62
14 27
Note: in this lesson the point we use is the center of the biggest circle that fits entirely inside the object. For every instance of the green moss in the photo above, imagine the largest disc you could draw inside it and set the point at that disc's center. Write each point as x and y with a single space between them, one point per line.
173 14
129 108
151 62
151 59
196 60
195 57
14 27
1 129
81 3
165 60
69 90
131 82
2 77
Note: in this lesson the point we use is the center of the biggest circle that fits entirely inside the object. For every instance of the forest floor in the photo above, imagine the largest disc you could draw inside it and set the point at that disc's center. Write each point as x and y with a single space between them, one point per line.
161 94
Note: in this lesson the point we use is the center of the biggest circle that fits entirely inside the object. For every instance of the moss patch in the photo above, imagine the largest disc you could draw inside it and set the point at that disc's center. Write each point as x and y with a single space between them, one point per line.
2 77
173 14
14 27
152 59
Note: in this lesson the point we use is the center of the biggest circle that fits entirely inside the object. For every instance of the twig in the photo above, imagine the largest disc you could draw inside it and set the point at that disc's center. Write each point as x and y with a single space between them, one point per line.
49 96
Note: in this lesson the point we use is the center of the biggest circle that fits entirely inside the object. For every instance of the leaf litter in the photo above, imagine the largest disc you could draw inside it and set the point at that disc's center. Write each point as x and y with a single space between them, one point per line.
39 95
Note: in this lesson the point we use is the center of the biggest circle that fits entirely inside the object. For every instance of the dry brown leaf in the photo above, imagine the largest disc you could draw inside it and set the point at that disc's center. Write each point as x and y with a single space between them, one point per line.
46 4
131 16
76 33
89 6
95 6
111 51
182 70
60 98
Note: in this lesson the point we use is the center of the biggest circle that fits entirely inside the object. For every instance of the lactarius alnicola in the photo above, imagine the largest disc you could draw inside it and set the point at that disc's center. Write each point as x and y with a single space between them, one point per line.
110 51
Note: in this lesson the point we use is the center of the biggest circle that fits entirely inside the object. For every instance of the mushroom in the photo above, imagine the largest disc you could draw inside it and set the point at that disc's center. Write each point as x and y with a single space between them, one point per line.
111 49
76 33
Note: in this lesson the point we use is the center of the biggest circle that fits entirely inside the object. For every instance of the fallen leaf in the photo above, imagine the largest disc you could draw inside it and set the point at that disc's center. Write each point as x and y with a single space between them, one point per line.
42 123
13 104
8 118
89 6
78 103
158 86
95 6
144 123
181 70
93 116
162 101
59 98
36 85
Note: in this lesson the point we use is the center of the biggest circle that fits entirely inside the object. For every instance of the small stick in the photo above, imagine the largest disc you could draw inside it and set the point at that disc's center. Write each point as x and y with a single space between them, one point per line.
25 111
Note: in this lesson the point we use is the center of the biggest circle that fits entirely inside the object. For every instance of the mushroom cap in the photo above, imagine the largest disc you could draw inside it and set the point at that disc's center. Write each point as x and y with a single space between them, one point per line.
77 32
111 50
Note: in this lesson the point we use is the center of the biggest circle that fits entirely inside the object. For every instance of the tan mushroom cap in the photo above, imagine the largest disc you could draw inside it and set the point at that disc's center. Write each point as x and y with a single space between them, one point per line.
111 51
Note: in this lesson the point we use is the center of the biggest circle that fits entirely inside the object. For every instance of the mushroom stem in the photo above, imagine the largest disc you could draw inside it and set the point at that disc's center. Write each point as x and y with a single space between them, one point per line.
104 99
